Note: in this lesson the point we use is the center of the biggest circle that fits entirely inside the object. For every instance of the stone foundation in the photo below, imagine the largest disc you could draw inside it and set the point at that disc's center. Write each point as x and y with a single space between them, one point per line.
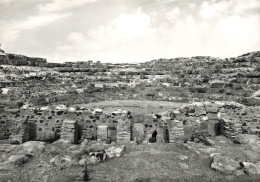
51 123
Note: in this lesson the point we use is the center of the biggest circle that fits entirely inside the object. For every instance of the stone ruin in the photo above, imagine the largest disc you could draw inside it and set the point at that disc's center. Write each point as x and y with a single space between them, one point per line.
216 118
52 123
75 124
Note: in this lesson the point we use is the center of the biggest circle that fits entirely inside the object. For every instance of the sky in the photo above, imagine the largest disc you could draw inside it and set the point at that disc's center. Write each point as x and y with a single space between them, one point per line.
129 31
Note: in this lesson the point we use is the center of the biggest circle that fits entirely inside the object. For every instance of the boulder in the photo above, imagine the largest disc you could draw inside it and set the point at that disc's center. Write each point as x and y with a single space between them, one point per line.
18 160
224 164
61 161
119 150
82 161
209 142
251 156
252 140
33 146
91 160
211 108
246 139
66 159
115 151
249 167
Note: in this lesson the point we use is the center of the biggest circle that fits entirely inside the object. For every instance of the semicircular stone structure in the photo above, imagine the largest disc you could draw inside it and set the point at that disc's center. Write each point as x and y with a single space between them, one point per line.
52 123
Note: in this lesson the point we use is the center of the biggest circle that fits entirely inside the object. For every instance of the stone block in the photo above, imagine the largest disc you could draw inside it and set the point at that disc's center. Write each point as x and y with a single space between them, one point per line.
212 108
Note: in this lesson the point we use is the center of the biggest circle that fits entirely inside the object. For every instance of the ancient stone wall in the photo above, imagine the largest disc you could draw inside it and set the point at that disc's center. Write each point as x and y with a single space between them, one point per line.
47 123
216 118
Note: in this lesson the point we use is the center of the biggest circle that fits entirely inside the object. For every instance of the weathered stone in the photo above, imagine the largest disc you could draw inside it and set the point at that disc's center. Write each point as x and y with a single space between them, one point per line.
250 168
183 165
33 146
246 139
61 161
210 141
224 164
82 161
18 159
115 151
91 160
212 108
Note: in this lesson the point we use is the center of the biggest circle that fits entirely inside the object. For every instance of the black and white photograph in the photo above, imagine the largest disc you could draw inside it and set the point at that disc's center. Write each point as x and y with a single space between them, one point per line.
130 90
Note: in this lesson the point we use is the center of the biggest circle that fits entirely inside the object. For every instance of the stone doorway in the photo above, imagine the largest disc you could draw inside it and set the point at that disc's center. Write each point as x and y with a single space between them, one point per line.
112 134
153 138
167 136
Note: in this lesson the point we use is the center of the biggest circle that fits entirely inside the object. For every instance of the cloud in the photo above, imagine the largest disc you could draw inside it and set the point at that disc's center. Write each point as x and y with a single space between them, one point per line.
244 6
237 34
6 1
158 29
57 5
172 15
122 39
165 1
192 5
11 30
134 37
210 9
40 20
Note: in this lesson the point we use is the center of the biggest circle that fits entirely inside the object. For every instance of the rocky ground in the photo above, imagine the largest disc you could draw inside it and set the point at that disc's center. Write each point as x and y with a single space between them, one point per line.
160 162
218 161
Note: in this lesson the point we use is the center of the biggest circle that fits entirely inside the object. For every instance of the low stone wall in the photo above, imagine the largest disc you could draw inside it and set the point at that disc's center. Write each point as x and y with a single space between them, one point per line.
225 118
48 123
